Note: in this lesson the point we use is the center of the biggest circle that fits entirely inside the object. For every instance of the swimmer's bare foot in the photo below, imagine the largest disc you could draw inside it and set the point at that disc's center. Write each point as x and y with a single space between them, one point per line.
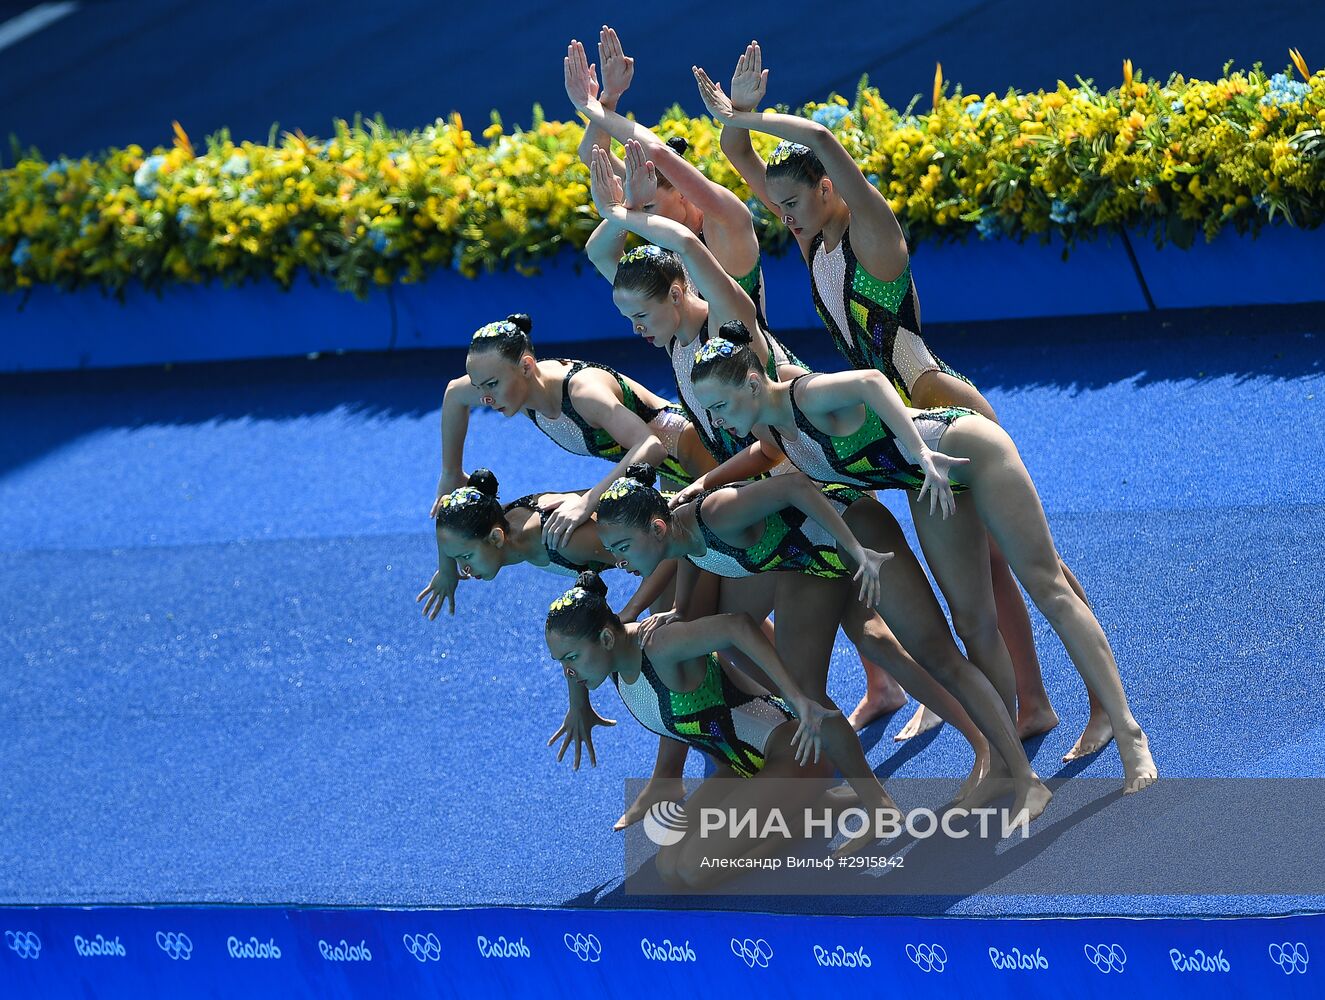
1031 801
1139 769
657 790
867 836
875 705
1094 738
1035 720
922 722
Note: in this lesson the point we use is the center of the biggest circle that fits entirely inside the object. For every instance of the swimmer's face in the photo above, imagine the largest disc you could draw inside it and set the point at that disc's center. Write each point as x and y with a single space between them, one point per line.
636 550
803 208
732 406
503 385
476 558
586 661
655 320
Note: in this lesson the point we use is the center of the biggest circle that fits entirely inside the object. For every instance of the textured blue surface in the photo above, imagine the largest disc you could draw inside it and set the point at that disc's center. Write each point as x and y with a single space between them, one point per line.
215 684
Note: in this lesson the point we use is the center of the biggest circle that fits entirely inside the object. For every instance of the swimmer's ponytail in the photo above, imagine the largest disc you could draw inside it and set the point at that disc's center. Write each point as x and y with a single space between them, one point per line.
508 337
728 358
633 500
583 610
485 481
473 511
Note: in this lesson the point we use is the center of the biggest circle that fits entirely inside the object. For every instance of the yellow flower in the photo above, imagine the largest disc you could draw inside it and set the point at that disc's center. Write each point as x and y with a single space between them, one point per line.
1300 63
1127 73
938 83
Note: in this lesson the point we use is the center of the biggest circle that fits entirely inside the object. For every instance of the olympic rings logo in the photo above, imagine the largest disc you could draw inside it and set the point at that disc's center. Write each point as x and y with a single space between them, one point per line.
424 947
585 947
752 952
25 944
1106 957
1291 956
177 946
927 957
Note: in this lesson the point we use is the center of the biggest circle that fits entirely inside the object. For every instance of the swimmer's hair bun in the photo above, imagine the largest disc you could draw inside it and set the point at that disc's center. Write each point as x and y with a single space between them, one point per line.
643 473
522 321
484 481
736 332
592 583
678 144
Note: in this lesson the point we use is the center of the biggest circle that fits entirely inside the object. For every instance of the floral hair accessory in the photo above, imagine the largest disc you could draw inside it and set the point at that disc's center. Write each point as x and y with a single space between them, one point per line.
715 348
572 596
785 150
621 488
461 497
502 328
646 252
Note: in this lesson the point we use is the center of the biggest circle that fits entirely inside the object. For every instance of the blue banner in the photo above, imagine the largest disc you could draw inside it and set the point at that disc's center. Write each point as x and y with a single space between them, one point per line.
252 951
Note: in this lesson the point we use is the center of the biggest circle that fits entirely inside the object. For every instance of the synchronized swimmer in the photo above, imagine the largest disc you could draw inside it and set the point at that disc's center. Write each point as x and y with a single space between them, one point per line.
770 471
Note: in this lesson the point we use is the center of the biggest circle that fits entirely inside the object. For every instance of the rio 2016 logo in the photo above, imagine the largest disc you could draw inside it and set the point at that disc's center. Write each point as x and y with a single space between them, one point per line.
927 957
1106 957
177 945
753 952
665 823
1291 956
24 944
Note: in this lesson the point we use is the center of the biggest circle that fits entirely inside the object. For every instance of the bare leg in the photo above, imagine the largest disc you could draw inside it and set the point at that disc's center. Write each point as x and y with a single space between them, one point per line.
909 606
882 697
1035 713
1099 730
1008 504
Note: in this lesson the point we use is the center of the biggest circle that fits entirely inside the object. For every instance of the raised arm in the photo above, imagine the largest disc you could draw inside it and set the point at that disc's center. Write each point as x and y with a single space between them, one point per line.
877 236
727 223
821 394
725 297
749 463
618 71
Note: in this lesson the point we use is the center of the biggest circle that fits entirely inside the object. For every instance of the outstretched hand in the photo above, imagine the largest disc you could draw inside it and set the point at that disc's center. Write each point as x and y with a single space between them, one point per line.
749 79
937 467
618 68
718 103
578 729
440 590
808 738
604 184
868 576
581 80
641 185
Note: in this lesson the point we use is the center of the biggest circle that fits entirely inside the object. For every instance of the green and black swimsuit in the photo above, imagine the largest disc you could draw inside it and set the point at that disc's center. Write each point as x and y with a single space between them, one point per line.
717 717
557 563
873 323
571 431
791 542
872 458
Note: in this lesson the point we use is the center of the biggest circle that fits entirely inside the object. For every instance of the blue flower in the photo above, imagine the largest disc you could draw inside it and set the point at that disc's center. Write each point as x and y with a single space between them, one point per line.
1285 91
990 226
248 196
457 255
22 253
236 166
975 109
184 217
831 116
873 179
1178 106
144 178
381 242
1062 213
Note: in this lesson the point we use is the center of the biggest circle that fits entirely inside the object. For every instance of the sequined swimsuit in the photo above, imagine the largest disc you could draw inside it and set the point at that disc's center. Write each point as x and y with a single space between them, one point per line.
557 563
791 542
872 457
717 717
873 323
575 434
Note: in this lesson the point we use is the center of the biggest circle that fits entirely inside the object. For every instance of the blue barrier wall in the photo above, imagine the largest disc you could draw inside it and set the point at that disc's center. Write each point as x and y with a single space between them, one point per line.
958 282
232 951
